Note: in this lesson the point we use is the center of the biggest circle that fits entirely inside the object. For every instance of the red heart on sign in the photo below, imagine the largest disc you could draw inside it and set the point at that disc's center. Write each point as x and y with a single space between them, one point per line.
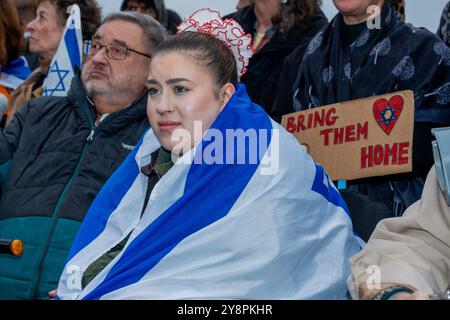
387 113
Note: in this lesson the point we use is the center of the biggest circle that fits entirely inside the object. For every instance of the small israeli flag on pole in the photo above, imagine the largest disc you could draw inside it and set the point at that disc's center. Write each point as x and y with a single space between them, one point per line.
67 58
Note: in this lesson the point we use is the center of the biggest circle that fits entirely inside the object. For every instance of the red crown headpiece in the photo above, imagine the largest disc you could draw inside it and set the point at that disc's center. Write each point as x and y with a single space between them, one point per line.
228 31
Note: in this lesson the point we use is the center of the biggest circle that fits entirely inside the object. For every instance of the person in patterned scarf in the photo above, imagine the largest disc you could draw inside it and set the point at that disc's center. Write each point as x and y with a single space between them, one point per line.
350 59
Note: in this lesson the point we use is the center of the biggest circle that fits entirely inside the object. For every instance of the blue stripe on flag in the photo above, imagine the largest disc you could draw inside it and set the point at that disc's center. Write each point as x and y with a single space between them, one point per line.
73 49
210 192
321 186
87 47
18 68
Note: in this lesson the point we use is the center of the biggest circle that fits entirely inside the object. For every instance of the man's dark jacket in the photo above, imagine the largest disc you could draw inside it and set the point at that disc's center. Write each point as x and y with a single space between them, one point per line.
264 68
53 161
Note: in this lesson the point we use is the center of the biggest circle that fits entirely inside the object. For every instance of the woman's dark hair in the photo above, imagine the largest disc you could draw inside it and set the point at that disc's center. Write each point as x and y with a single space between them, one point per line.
295 13
148 4
208 51
395 3
173 20
26 10
11 33
399 6
157 6
91 15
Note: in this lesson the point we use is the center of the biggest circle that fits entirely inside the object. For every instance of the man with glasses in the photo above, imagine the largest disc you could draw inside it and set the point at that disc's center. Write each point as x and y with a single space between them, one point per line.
58 152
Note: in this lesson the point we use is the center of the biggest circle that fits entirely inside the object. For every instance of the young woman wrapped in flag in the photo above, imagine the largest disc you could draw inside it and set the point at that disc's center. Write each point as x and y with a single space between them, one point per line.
217 201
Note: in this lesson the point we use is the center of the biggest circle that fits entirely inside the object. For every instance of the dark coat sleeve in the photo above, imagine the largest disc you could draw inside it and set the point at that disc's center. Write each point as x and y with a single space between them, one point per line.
291 65
10 135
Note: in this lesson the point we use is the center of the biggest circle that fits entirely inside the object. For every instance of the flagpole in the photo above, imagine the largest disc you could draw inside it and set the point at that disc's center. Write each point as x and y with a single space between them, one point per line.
68 58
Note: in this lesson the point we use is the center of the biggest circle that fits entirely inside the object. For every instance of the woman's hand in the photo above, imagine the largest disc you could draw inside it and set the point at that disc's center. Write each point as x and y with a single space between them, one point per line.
53 294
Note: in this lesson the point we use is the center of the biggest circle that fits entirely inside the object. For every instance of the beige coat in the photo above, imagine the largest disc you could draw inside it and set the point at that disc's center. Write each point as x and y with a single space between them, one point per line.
412 251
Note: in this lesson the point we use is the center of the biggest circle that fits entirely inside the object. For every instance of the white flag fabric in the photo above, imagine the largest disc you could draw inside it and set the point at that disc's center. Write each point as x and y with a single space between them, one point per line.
68 57
218 231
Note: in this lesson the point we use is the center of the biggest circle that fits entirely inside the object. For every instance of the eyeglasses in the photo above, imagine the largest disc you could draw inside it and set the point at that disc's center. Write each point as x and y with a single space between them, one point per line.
114 51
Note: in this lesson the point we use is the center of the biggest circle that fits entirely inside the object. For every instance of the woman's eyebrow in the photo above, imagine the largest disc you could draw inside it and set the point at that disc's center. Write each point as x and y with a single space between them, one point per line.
170 81
176 80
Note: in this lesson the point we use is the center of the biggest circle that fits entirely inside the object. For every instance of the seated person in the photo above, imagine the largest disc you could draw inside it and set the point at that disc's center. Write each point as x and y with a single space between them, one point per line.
353 58
189 217
411 254
45 34
57 152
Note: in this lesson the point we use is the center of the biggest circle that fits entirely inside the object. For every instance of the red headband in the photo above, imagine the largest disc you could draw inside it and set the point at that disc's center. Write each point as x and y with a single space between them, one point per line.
228 31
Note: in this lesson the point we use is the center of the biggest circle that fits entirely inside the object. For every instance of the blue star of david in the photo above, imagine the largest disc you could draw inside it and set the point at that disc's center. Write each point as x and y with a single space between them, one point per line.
62 74
383 113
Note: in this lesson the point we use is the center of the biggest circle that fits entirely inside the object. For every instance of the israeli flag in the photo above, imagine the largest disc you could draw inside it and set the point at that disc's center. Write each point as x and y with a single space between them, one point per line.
15 73
273 228
67 58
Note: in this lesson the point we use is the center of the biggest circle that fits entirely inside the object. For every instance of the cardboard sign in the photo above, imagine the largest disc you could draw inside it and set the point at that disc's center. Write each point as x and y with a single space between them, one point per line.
360 138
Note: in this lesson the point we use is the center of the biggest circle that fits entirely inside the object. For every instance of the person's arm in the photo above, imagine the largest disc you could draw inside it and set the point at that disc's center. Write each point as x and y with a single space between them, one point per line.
411 252
283 100
9 141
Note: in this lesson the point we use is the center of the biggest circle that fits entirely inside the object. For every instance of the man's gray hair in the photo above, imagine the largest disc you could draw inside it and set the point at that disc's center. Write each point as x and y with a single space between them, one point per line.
154 33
